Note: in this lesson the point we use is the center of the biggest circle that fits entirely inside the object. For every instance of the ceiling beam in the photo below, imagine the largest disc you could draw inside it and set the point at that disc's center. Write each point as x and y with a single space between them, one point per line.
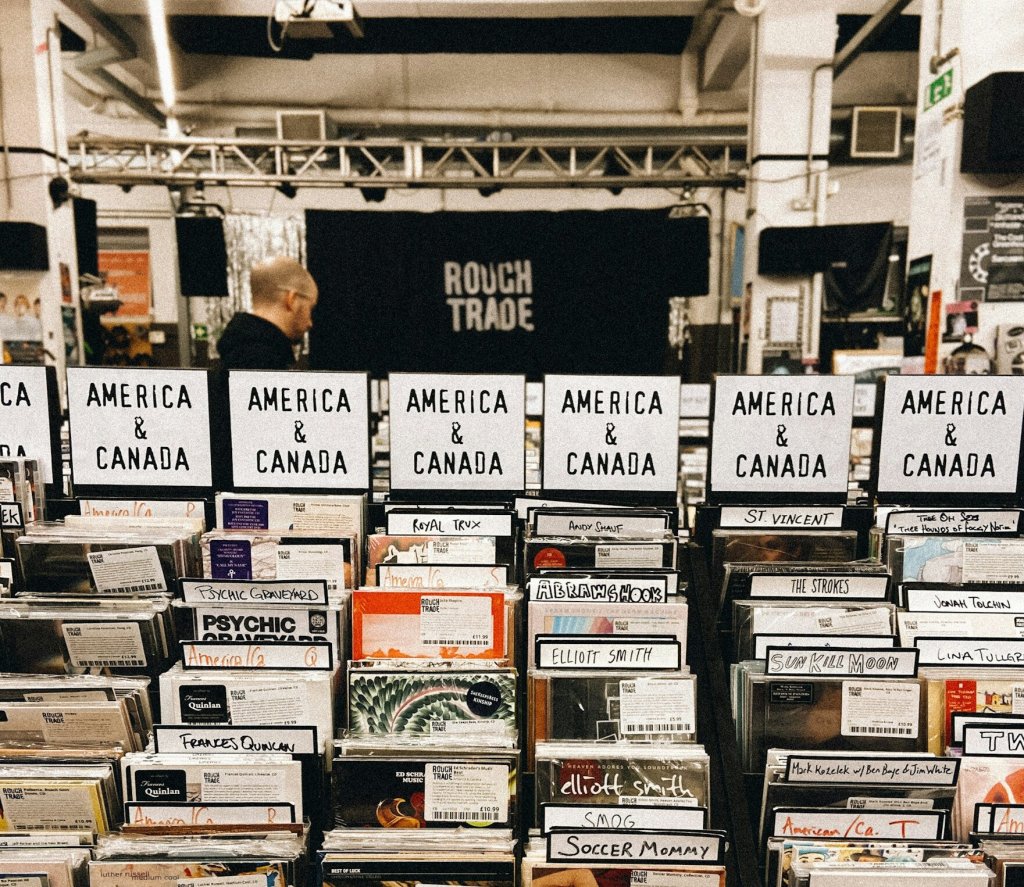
871 31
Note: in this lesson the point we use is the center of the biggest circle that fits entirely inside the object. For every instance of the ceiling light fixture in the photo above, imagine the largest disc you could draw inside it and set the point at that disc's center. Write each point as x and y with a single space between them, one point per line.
162 46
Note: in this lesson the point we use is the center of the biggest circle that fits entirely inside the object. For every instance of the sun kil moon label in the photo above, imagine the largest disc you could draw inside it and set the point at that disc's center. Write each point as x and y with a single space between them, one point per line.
770 431
951 434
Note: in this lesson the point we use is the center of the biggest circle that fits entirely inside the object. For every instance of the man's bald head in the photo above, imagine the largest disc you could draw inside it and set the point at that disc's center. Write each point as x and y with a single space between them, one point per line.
284 293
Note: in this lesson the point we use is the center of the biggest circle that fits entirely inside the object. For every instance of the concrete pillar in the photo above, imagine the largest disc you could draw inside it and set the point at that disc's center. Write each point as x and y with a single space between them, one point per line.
33 151
791 102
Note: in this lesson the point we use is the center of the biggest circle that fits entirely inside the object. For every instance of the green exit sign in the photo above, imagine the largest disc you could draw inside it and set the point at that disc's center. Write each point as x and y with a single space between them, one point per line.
940 88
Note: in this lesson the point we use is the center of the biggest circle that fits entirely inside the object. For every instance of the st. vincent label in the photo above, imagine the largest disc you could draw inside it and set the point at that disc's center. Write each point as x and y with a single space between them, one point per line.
773 433
951 434
457 431
139 428
299 430
611 433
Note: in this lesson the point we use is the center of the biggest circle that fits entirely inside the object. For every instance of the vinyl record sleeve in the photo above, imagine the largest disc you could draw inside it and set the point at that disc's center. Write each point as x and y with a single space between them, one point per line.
54 804
537 871
382 548
202 870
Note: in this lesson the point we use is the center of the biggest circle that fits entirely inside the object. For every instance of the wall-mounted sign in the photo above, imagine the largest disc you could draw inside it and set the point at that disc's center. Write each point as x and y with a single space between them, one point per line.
611 433
788 434
139 428
949 436
299 430
30 417
452 431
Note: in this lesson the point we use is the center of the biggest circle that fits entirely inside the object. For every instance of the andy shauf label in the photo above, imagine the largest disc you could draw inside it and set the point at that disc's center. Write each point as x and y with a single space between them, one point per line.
457 402
782 404
611 462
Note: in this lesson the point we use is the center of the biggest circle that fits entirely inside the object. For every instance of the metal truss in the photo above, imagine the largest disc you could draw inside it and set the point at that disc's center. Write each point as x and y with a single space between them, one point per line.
662 162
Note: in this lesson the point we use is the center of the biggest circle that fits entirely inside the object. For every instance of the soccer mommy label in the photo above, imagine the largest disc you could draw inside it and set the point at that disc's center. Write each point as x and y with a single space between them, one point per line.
615 433
450 430
773 433
299 430
951 434
148 428
25 416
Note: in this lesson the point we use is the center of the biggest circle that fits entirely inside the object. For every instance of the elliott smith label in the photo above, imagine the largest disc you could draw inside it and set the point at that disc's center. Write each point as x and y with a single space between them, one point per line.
582 817
774 432
975 522
994 739
431 523
629 590
970 651
830 822
309 592
781 516
586 652
851 586
452 431
25 416
892 663
299 430
963 600
763 641
139 428
613 433
951 434
608 846
223 739
874 770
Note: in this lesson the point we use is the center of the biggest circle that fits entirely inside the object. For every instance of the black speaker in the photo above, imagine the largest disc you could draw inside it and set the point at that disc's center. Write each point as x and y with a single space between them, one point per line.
23 247
858 266
993 139
202 256
86 236
790 252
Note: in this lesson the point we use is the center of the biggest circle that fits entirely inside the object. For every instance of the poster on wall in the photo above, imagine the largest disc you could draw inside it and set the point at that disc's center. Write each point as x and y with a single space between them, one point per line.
128 270
992 260
500 292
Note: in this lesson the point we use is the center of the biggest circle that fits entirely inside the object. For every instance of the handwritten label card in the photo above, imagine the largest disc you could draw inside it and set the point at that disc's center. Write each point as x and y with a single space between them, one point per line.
772 433
227 739
595 653
299 430
611 433
782 516
873 770
1004 652
977 521
613 847
453 431
994 740
139 428
833 662
910 825
849 586
950 435
251 654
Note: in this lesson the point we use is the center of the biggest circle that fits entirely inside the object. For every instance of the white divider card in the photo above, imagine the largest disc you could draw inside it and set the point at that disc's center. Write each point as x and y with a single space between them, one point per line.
304 655
872 770
857 641
999 819
299 430
595 653
836 662
961 599
832 822
229 739
648 846
139 428
694 400
960 720
611 433
177 814
301 592
778 517
636 589
990 652
954 522
950 435
425 522
452 431
29 428
442 575
994 741
772 433
846 586
582 817
559 522
142 508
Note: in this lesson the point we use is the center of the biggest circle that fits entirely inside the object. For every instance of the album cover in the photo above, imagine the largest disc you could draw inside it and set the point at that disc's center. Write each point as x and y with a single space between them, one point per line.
66 725
57 866
258 622
768 546
78 797
382 548
537 873
173 873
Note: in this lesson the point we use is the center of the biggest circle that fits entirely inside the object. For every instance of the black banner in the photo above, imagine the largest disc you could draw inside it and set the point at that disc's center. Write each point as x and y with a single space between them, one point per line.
500 292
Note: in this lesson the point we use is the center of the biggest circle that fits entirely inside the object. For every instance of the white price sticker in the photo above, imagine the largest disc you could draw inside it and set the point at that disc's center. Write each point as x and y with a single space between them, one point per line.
450 621
652 705
127 571
457 793
880 709
312 562
104 644
628 556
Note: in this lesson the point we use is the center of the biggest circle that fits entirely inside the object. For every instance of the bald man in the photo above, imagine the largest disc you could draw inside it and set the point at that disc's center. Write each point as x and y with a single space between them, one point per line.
283 297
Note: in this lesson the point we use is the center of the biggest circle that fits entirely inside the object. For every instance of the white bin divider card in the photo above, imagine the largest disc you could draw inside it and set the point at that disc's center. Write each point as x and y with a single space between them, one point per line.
145 429
299 430
458 431
780 437
615 434
949 438
30 419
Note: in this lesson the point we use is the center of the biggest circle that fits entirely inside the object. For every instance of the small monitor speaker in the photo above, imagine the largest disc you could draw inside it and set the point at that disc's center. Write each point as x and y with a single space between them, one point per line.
202 256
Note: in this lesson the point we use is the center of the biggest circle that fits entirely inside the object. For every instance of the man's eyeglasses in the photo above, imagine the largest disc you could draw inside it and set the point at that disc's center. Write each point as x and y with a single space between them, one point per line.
306 296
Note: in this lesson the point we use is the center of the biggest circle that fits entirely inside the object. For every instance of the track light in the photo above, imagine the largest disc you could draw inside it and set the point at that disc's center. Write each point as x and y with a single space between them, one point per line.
287 189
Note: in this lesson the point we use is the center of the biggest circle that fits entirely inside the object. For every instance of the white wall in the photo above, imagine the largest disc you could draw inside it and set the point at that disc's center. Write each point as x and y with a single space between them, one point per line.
870 194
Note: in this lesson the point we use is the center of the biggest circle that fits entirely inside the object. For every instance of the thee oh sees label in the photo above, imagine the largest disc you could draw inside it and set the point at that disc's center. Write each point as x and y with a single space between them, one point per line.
951 434
463 431
771 433
139 428
299 430
616 433
25 416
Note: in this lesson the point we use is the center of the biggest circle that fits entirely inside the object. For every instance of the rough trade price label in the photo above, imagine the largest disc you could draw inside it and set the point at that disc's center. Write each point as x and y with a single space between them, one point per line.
772 433
139 428
614 433
951 434
457 431
25 416
299 430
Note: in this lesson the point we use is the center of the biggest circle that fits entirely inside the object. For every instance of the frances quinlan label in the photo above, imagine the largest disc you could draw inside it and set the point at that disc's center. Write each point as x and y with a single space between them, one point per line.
774 433
299 430
611 433
457 431
951 434
139 428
